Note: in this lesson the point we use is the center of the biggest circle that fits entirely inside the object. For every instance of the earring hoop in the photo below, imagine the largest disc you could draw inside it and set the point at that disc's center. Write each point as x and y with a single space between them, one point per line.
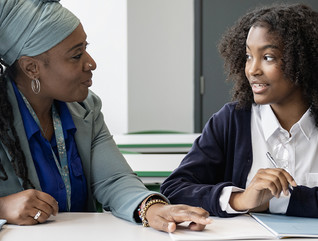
36 86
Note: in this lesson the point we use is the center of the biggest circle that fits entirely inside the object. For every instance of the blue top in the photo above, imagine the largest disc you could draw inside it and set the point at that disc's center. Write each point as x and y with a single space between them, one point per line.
48 173
222 156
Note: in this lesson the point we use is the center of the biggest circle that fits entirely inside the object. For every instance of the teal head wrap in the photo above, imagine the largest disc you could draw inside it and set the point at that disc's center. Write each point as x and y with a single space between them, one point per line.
31 27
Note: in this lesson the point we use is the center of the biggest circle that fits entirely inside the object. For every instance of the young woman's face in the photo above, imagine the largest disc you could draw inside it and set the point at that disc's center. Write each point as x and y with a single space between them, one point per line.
263 69
66 72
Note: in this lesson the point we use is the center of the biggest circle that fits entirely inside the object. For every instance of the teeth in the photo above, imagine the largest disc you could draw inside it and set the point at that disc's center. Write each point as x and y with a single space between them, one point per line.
259 85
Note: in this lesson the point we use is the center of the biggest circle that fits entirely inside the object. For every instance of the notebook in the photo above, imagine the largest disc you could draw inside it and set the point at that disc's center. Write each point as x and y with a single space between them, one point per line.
283 226
250 226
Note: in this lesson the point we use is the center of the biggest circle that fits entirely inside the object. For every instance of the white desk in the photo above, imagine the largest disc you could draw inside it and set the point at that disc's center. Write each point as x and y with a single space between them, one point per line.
97 227
82 227
153 168
155 155
156 143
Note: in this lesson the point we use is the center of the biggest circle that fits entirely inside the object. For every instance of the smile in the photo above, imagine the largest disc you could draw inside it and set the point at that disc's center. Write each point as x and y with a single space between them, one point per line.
259 88
259 85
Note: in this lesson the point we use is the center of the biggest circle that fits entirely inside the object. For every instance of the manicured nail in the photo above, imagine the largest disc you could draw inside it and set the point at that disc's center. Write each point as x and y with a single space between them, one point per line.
170 227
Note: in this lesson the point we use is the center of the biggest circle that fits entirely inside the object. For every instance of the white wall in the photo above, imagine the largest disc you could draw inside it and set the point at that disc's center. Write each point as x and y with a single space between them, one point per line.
161 65
144 51
105 22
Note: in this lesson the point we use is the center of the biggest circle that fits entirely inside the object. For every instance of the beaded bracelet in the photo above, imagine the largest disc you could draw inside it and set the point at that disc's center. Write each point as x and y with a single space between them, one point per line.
143 211
143 203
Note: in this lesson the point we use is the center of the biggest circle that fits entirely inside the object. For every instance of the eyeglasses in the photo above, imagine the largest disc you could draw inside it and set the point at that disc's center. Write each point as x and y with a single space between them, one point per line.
280 151
281 155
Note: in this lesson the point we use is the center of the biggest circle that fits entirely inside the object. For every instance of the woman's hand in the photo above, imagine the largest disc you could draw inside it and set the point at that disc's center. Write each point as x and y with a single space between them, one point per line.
166 217
267 183
21 208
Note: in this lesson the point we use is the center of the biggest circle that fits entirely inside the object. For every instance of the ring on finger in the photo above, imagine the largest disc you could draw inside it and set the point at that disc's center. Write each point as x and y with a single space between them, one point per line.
37 215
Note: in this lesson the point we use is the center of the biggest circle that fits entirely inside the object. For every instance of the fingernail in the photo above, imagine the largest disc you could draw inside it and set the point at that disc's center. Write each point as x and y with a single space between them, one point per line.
170 227
209 220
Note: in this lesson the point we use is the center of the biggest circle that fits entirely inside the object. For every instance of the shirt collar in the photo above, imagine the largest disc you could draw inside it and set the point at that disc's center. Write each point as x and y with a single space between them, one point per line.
65 115
270 122
307 124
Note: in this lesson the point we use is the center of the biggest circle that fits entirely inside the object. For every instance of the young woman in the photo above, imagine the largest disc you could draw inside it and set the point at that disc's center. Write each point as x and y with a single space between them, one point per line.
260 152
56 153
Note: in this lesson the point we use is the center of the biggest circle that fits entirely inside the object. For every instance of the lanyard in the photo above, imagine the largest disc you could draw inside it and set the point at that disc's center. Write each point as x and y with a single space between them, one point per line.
60 141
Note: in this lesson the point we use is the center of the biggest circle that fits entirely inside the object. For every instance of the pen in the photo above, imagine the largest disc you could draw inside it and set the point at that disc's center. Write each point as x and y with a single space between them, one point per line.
269 156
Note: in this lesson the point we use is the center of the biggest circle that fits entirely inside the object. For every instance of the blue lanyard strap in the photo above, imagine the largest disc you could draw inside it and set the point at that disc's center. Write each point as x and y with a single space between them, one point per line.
60 141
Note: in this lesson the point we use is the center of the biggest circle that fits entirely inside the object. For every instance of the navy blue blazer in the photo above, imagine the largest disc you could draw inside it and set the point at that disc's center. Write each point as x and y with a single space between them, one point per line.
222 156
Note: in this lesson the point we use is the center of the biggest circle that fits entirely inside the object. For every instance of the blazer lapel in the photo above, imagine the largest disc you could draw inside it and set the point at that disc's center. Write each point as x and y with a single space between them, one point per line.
83 121
18 124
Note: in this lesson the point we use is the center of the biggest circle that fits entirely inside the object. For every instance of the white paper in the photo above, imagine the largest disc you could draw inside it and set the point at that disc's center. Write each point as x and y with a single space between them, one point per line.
237 228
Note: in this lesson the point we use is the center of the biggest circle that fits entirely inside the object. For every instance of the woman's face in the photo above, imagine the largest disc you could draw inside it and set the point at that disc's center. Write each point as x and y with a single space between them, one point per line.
66 72
263 69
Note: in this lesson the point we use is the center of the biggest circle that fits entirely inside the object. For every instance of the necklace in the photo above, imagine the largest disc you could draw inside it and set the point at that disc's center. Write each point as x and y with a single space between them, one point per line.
46 128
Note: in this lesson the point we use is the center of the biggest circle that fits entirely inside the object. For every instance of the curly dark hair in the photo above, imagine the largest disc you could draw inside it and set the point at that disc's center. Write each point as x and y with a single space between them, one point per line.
297 27
8 134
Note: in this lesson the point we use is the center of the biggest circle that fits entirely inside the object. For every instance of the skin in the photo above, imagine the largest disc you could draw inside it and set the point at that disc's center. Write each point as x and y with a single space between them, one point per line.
20 208
65 73
166 217
263 70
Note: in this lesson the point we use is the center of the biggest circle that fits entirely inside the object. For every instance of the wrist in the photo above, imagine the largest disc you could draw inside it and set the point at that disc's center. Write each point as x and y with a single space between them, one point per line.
2 207
152 211
236 203
145 206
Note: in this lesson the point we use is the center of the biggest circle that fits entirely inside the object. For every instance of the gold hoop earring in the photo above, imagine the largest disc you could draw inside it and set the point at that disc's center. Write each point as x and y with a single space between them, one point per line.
36 86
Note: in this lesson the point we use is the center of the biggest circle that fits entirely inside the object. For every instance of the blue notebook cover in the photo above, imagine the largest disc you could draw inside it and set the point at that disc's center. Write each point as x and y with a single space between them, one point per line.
287 226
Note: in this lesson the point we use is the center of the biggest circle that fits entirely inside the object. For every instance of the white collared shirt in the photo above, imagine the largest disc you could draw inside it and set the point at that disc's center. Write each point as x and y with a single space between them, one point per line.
299 150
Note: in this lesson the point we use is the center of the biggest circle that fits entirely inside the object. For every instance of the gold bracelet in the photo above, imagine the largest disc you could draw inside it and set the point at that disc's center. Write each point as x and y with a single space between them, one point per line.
147 206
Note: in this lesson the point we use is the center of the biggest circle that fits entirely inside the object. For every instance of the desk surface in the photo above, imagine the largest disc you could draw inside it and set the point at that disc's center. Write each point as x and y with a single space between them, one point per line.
156 143
88 227
141 139
153 168
154 162
82 227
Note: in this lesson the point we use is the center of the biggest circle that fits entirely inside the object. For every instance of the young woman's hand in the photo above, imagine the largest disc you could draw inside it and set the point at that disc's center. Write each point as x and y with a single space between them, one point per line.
166 217
28 207
267 183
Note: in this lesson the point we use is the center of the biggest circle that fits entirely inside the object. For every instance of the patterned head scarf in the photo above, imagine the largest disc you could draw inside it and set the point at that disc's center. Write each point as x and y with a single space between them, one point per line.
31 27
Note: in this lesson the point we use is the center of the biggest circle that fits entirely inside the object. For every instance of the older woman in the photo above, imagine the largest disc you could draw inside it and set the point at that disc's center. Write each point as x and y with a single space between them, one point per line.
56 153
